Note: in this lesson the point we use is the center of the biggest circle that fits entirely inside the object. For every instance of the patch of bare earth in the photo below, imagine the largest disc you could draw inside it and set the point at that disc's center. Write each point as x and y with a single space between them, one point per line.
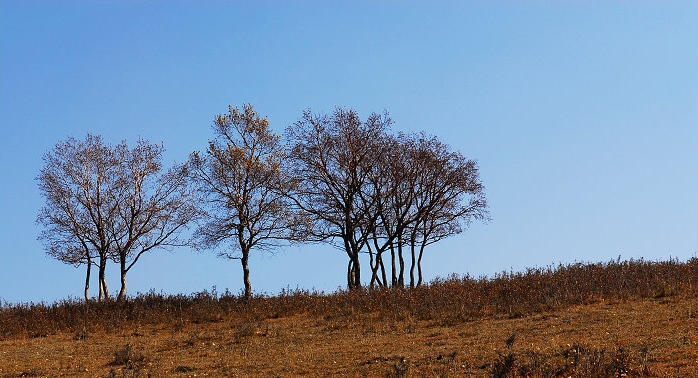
655 337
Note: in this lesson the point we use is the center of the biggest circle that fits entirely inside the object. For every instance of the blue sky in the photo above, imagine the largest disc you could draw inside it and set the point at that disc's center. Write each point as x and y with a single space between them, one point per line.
583 117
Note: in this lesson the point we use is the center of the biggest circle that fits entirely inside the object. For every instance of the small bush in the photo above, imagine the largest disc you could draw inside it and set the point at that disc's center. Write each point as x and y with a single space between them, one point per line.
123 356
184 369
127 356
575 361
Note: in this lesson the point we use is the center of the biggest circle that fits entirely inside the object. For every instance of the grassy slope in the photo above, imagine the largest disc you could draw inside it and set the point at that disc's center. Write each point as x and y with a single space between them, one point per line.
634 318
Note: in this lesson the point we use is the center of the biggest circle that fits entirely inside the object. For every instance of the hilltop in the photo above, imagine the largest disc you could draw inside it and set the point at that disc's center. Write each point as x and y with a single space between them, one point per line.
632 318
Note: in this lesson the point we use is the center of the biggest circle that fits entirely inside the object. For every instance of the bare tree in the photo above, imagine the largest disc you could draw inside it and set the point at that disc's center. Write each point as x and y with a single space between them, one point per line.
422 193
153 207
241 180
108 202
392 190
77 180
448 197
332 157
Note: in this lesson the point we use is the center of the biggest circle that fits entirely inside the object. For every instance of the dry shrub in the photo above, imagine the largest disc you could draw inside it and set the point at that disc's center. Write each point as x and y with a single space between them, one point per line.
127 356
445 302
575 361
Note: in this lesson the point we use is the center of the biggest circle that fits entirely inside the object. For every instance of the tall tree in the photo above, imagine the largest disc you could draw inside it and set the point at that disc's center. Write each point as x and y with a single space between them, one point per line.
332 156
241 180
77 182
153 207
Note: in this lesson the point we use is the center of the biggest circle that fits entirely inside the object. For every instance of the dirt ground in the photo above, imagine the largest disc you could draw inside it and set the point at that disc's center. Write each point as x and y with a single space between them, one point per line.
658 334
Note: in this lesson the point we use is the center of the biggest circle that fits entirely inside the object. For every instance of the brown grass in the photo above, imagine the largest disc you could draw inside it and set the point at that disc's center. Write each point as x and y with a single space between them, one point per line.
617 319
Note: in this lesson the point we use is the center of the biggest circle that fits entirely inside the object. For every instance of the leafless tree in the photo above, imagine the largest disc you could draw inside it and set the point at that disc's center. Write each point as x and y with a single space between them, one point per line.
77 180
153 207
448 197
423 192
109 202
241 180
332 157
392 190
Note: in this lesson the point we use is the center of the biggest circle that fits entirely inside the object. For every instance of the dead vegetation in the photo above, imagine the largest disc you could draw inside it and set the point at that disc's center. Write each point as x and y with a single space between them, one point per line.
615 319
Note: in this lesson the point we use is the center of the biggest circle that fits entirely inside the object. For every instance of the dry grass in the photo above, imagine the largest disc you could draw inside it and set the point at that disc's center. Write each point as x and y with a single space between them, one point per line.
616 319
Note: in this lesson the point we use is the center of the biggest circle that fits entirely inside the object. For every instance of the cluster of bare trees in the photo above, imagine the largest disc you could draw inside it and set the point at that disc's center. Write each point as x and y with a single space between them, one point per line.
369 191
107 202
337 179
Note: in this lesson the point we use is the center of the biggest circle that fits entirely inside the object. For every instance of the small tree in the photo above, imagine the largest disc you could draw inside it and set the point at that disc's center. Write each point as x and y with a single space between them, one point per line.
78 181
242 183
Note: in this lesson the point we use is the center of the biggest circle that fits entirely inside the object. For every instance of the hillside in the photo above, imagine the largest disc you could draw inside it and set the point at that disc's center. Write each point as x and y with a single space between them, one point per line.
632 319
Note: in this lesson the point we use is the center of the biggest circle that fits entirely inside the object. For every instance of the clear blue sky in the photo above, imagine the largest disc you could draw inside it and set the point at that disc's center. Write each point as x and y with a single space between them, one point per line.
583 116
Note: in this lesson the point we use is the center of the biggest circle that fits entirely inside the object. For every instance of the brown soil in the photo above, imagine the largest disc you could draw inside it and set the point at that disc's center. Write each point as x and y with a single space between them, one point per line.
654 337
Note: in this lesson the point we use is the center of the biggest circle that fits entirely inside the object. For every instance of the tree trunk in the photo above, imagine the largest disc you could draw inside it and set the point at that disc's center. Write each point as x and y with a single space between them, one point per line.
385 279
376 265
374 269
357 271
354 272
393 267
379 266
350 274
413 242
87 278
412 266
401 276
122 292
246 273
419 265
354 268
103 291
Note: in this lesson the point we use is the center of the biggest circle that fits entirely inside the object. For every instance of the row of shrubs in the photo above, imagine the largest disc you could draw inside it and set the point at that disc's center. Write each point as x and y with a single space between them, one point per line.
446 301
